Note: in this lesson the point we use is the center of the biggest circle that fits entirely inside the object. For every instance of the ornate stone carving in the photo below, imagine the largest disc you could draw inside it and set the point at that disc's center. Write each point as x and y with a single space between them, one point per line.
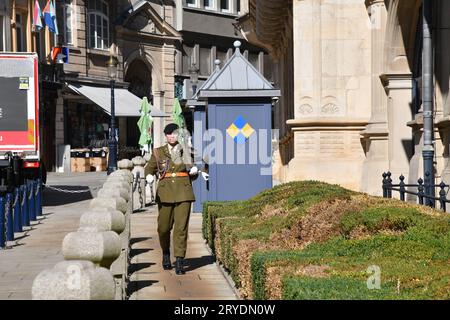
330 108
305 109
143 23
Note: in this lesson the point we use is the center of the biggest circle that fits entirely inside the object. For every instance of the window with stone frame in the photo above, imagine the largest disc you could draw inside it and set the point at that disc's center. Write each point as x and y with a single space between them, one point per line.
98 13
69 21
20 32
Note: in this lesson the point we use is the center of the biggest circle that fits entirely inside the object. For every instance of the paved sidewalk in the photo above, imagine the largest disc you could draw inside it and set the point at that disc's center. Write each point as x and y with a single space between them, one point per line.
39 247
149 281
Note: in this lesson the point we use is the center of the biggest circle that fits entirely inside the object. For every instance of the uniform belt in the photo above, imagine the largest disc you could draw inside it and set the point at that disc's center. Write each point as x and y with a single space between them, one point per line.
176 174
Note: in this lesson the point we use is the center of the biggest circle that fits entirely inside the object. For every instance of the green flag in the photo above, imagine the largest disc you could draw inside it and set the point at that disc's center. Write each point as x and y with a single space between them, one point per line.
145 124
177 114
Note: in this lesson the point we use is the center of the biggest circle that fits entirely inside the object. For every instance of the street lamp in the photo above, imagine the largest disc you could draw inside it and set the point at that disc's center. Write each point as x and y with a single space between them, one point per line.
112 143
193 75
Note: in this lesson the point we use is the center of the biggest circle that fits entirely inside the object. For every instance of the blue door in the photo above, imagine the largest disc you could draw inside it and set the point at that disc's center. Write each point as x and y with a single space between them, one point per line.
241 165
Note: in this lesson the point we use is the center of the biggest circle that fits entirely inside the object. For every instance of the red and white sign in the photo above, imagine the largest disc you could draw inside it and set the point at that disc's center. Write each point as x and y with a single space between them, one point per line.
19 102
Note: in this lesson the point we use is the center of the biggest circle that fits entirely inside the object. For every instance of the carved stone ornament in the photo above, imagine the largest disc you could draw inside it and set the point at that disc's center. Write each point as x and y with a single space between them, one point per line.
330 108
305 109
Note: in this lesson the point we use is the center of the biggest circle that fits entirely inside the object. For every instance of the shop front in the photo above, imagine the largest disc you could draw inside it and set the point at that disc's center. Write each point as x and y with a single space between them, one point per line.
87 122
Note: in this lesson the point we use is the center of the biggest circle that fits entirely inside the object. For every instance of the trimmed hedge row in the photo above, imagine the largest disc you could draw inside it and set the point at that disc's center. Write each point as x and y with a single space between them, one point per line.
311 240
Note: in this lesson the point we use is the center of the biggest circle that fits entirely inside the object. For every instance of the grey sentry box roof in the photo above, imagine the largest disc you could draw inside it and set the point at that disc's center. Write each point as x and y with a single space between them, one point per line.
234 104
237 78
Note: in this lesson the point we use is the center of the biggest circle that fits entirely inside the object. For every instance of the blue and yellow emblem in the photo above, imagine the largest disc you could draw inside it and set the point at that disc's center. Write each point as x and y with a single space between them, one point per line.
240 130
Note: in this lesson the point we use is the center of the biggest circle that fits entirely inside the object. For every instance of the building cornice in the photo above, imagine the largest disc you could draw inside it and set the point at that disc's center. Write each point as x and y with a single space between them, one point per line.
401 80
327 124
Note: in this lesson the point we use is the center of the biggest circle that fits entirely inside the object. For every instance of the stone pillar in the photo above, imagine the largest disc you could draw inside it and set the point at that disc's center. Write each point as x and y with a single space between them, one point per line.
158 124
375 136
398 87
139 195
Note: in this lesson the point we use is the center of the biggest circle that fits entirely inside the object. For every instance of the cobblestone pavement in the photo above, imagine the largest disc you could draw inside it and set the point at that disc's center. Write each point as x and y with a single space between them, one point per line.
149 281
39 246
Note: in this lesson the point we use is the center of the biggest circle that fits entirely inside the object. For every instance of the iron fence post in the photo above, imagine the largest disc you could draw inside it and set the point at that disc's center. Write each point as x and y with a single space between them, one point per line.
420 191
384 185
9 218
402 188
17 212
2 223
24 204
38 197
442 196
31 200
389 185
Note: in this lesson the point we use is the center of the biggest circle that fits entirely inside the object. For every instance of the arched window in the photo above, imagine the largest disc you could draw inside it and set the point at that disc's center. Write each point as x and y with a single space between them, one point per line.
98 24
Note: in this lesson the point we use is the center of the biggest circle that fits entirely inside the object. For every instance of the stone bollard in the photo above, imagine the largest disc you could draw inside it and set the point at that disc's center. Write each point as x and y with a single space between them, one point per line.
119 179
104 219
139 196
122 173
125 165
100 247
74 280
111 191
111 202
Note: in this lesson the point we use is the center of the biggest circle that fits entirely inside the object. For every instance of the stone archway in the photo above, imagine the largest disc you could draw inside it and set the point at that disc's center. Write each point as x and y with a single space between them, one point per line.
139 76
152 83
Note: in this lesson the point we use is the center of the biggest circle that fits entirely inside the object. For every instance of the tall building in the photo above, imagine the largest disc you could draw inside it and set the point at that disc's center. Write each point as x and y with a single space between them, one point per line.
351 106
158 45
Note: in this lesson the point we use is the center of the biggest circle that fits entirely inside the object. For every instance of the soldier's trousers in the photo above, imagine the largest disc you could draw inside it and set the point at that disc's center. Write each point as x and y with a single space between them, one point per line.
174 215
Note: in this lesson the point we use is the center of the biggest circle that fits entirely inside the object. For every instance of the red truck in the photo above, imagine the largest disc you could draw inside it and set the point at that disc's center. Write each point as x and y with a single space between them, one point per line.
19 120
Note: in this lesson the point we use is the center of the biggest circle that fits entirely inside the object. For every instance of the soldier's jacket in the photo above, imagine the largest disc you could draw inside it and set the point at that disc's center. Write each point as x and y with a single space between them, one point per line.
170 189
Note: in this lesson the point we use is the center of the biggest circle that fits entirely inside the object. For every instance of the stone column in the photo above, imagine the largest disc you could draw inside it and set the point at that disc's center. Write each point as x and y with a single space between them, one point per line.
158 124
376 133
139 195
398 87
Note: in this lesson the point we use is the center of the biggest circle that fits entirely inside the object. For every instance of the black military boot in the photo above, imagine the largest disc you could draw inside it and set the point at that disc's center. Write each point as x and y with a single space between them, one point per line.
166 261
179 266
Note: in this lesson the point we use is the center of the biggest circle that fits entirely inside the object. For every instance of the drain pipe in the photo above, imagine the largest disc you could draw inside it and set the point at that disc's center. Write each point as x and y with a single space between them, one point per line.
427 100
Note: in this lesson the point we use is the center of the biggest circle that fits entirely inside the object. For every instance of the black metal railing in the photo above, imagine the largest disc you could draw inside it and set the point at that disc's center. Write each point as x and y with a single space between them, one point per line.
424 194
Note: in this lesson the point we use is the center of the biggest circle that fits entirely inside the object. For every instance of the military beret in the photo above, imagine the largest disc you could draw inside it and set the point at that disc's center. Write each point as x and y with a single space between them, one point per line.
171 127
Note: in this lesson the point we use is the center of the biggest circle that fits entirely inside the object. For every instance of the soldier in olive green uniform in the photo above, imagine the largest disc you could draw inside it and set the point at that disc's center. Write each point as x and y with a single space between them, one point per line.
174 195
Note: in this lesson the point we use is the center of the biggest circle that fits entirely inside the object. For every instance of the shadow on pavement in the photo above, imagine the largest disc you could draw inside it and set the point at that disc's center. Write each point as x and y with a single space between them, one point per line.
66 195
195 263
134 286
136 252
135 267
137 240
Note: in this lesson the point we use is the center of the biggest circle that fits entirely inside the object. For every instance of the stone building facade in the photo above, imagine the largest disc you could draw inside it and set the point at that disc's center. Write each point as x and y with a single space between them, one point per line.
155 43
354 109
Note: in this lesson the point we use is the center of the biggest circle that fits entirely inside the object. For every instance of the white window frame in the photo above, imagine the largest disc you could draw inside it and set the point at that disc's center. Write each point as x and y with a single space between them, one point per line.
69 4
193 5
212 5
230 6
99 15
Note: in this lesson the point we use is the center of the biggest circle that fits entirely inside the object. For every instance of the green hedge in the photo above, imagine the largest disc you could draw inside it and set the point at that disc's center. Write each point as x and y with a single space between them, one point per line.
411 248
